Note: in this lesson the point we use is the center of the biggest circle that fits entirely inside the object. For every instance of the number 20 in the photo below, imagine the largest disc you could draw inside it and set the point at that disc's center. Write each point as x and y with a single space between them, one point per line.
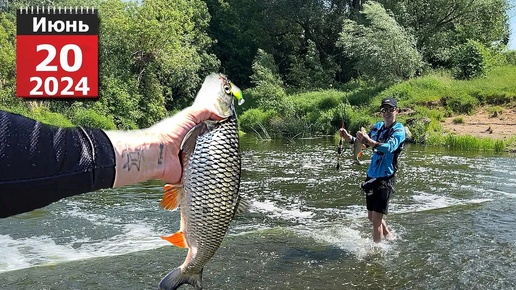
63 58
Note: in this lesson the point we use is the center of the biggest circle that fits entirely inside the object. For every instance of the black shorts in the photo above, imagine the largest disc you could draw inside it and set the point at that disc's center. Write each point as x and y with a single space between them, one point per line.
377 199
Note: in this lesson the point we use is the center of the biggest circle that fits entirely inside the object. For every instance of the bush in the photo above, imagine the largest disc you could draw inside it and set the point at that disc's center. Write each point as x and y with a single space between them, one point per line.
265 96
358 123
418 128
495 111
256 120
328 102
43 115
510 57
470 60
499 98
324 121
92 119
458 120
291 127
461 104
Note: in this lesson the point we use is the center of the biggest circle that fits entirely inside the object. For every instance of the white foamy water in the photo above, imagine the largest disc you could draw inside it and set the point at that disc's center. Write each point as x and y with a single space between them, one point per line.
345 228
271 209
37 250
423 201
46 249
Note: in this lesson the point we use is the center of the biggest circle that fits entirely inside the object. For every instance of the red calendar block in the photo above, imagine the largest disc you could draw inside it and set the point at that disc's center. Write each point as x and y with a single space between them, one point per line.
57 53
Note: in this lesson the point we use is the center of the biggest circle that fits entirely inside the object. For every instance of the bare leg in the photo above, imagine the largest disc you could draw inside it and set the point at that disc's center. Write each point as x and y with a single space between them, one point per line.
377 220
386 230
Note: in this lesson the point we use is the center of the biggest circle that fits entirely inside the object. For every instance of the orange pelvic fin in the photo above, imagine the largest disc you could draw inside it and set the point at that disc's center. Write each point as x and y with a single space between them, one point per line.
360 154
177 239
170 199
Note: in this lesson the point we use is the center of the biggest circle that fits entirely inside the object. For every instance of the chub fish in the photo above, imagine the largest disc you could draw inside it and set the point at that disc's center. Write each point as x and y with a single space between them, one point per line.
208 195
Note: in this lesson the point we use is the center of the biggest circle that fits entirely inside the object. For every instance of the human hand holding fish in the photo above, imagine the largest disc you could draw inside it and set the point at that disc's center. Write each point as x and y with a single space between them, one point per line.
153 153
76 160
364 138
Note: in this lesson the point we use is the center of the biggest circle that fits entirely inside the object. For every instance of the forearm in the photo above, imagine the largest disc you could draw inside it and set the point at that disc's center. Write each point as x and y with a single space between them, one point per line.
152 153
373 144
139 156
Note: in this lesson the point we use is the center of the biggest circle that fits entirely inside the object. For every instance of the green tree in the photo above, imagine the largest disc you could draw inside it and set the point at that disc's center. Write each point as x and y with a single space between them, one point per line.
173 41
118 83
304 31
7 61
307 71
158 51
292 31
438 25
268 91
383 50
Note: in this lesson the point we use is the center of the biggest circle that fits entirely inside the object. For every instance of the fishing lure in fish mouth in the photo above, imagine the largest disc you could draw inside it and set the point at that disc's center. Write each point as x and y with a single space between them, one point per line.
232 89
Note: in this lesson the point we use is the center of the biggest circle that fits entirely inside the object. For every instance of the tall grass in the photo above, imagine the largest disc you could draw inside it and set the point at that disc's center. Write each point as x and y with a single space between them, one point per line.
467 142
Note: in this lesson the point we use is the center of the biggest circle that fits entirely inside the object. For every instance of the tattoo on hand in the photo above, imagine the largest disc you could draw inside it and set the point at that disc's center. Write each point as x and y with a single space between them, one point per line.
133 158
160 159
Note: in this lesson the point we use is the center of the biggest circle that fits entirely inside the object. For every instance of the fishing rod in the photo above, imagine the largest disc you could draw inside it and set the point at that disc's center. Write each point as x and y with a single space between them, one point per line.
339 148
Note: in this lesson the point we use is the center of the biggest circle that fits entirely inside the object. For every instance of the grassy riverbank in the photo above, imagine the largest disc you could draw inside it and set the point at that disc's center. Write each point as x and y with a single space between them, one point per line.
426 104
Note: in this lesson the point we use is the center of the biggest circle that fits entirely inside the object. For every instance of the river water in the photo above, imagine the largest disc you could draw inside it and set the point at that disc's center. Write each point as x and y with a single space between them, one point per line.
453 217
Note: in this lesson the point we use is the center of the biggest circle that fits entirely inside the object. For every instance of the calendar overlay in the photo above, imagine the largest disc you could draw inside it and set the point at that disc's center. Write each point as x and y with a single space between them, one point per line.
57 53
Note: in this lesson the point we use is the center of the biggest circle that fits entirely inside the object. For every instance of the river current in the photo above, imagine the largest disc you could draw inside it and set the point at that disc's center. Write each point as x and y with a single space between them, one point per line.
453 217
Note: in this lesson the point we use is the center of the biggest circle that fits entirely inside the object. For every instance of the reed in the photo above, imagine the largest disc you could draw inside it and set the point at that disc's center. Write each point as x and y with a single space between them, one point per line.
466 142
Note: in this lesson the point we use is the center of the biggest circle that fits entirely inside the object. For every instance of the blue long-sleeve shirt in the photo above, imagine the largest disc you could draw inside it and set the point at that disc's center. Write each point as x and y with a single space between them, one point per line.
382 159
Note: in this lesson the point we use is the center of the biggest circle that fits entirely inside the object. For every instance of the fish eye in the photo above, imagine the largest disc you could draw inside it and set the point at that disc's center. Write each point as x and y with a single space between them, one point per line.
227 89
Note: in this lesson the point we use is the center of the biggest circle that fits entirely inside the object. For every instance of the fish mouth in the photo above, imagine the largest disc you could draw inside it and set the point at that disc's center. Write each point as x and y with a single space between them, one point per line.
232 89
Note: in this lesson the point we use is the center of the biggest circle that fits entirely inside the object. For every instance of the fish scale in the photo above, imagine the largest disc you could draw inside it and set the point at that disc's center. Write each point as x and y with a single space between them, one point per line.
222 158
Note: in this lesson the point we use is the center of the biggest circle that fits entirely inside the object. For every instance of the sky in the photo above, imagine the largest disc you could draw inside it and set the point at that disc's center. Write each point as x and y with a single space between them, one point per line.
512 25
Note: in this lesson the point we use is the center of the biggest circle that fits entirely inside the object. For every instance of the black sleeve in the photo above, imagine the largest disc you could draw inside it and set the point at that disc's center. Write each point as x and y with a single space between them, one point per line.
40 164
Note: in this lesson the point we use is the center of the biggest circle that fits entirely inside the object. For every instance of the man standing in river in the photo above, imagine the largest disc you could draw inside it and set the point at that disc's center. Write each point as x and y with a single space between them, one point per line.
386 138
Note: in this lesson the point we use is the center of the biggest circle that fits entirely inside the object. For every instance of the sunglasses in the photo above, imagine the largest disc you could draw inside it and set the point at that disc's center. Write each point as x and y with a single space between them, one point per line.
390 110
